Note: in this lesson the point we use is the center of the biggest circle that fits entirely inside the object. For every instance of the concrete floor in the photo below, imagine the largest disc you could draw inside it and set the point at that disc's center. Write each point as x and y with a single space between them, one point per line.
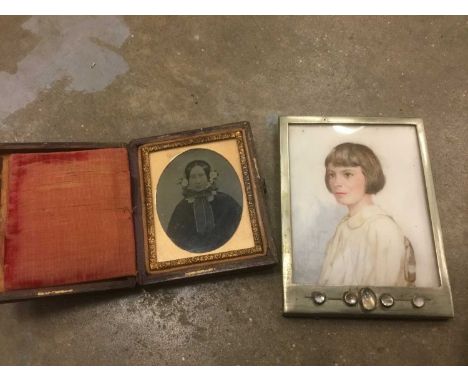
114 79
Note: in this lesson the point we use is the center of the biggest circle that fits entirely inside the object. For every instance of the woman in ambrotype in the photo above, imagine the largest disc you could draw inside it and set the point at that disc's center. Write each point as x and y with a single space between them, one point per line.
368 247
206 218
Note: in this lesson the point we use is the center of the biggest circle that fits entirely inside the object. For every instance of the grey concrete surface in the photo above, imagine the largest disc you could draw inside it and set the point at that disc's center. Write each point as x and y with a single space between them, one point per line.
118 78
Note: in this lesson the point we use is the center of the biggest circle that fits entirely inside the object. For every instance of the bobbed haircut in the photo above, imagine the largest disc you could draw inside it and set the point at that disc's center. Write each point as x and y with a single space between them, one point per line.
204 165
353 155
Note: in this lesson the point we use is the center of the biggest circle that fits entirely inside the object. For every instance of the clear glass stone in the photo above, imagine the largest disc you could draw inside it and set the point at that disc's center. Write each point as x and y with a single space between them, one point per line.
319 298
386 300
350 298
418 301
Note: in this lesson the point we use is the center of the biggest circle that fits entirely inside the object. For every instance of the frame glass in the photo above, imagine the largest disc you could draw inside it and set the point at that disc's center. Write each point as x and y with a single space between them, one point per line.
361 230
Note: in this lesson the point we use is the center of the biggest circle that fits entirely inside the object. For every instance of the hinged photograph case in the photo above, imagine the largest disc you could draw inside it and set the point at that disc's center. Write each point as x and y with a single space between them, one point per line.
81 217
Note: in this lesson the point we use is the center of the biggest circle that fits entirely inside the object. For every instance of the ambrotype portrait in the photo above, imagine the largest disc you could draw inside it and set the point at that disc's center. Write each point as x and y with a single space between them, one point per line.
360 217
210 200
202 211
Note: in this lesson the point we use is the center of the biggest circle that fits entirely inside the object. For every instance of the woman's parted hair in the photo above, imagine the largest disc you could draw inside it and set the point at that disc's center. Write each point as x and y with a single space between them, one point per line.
353 155
204 165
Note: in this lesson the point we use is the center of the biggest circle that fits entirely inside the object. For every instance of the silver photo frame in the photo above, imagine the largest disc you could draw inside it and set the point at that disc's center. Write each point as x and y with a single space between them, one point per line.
361 233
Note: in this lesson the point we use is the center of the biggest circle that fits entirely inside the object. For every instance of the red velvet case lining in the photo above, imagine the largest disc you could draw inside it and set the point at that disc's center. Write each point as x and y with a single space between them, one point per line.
3 184
69 218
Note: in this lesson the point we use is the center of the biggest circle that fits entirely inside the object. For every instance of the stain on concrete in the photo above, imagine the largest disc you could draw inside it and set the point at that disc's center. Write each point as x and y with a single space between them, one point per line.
81 50
15 44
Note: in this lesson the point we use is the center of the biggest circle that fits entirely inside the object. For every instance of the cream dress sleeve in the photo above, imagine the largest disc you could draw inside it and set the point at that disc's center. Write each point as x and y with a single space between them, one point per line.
385 253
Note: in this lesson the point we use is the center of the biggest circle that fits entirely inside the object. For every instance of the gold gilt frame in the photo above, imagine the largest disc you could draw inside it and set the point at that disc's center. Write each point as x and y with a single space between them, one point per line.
255 219
311 299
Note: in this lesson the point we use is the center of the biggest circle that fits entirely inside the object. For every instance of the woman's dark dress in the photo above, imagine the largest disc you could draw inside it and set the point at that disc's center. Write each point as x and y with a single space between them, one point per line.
182 227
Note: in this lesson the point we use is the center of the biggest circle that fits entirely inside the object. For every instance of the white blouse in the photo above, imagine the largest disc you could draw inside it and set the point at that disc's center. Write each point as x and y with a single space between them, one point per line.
367 249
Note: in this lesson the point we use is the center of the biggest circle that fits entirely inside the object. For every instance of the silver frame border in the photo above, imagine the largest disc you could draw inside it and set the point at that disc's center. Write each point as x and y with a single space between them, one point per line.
297 297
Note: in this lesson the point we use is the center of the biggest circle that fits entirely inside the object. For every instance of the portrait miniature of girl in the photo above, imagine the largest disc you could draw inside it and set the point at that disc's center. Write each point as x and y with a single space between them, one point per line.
368 247
205 218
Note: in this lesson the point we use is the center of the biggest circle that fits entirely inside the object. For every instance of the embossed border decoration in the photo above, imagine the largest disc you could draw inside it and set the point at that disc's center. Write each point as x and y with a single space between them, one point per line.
152 258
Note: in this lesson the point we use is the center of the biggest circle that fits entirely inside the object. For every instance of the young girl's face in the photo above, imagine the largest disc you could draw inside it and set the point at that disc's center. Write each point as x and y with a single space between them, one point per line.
348 184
